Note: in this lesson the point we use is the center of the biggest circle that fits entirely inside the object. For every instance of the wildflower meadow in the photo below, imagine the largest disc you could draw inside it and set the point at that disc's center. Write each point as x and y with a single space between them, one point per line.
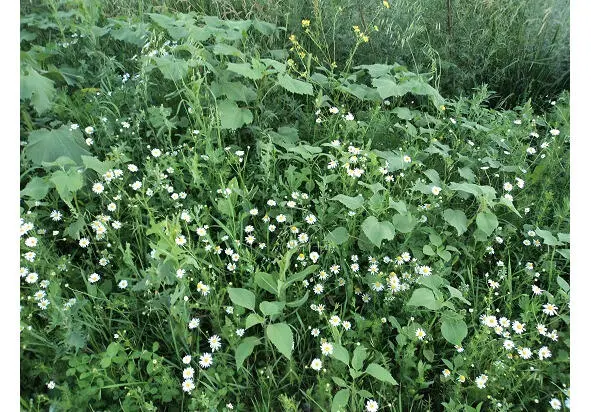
220 212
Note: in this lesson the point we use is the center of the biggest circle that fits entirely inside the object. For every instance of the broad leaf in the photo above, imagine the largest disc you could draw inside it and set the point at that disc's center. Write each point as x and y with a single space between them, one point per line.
377 231
231 116
340 401
49 145
457 219
424 297
244 350
293 85
380 373
281 336
352 203
454 330
487 222
242 297
338 235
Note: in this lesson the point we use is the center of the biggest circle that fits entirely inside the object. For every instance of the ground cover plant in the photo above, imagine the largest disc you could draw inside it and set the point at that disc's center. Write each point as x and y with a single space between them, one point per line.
213 218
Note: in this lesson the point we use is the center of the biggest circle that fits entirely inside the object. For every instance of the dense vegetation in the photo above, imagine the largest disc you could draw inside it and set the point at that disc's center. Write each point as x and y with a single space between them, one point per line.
258 212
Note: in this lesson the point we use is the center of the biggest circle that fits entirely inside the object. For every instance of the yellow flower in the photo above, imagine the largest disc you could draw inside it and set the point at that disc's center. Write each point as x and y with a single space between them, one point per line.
442 107
356 29
305 23
386 4
292 38
364 37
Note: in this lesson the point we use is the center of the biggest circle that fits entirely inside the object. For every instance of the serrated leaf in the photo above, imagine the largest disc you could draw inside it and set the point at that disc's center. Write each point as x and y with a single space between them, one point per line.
380 373
457 219
563 284
245 349
281 337
49 145
246 70
172 68
231 116
293 85
242 297
38 89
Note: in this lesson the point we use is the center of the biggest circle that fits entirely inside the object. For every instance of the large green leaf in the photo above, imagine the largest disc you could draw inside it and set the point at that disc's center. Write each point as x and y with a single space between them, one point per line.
377 231
66 183
352 203
271 308
404 223
424 297
266 281
231 116
246 70
36 189
242 297
281 336
38 89
487 222
293 85
171 67
244 350
380 373
454 330
49 145
457 219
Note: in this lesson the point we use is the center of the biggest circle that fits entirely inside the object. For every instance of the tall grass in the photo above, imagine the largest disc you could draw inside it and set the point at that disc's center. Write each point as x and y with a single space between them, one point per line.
519 48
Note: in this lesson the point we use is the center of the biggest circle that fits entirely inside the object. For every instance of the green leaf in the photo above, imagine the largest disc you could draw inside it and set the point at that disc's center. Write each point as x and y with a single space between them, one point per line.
455 293
340 401
377 231
299 302
338 235
563 284
352 203
487 222
428 250
91 162
548 238
454 330
271 308
339 382
293 85
49 145
266 281
457 219
242 297
340 353
38 89
73 230
404 223
36 189
424 297
231 116
296 277
246 70
66 183
359 355
281 336
245 349
253 319
172 68
380 373
387 87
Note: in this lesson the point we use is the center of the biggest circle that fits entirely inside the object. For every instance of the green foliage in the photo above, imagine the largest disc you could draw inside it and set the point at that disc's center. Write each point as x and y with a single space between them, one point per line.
214 213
